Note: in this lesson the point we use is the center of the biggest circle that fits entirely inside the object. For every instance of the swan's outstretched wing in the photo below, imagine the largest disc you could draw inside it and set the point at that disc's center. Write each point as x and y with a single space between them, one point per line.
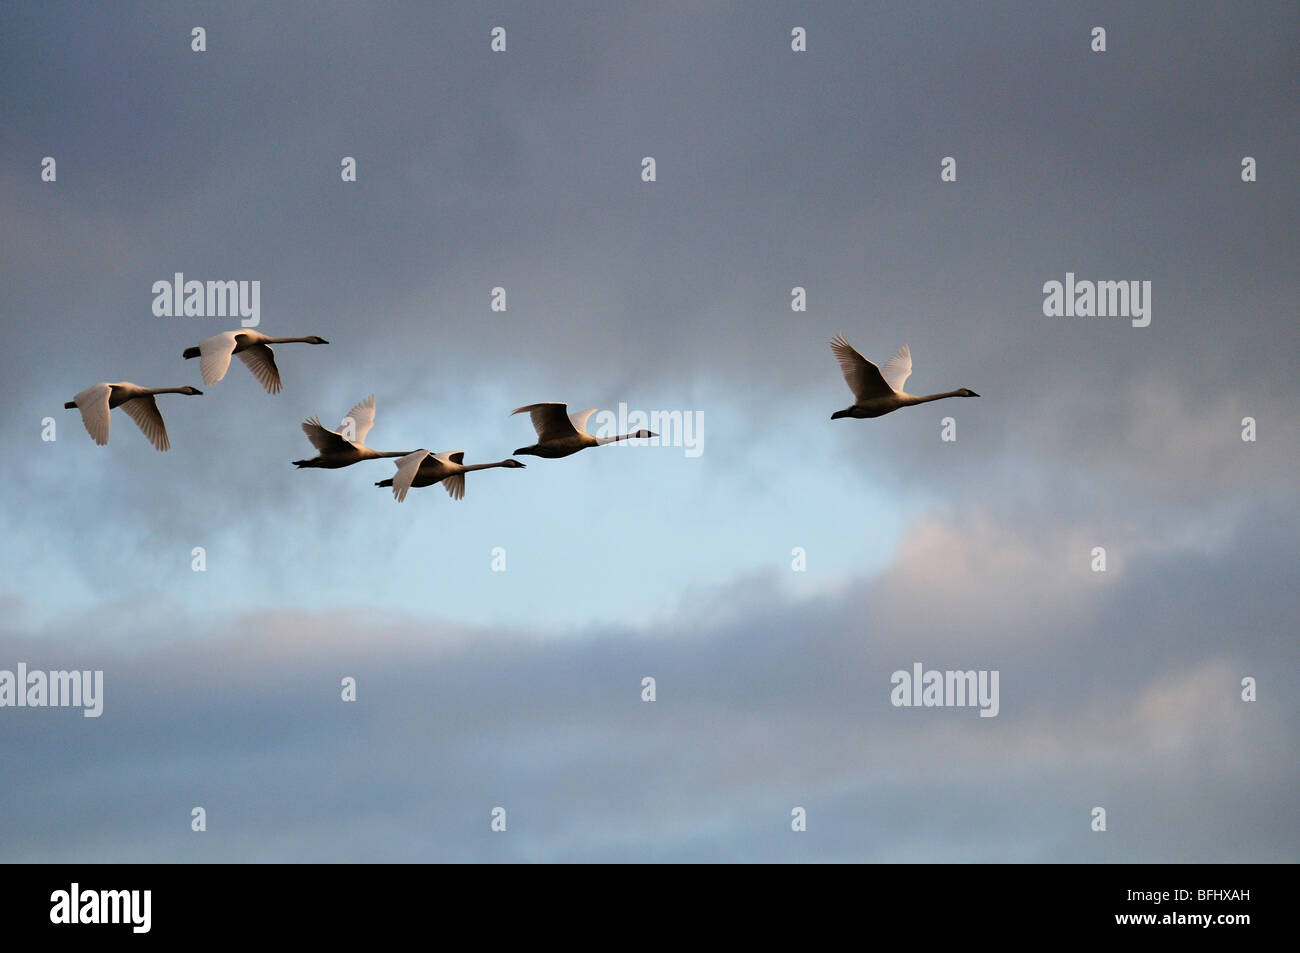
93 404
362 417
260 359
144 411
862 376
407 467
455 486
214 356
549 420
451 456
325 441
898 369
579 420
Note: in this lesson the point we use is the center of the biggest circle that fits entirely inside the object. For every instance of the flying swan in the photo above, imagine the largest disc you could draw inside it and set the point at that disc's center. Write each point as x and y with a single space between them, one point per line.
879 390
560 434
334 450
423 468
95 403
251 347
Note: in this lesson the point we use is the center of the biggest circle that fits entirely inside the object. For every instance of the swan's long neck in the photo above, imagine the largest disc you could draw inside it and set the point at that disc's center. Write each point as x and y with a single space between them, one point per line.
482 466
166 390
285 341
913 399
623 436
381 454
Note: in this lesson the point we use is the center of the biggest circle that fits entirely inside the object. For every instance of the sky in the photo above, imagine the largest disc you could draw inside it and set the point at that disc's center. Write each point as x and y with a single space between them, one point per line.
770 583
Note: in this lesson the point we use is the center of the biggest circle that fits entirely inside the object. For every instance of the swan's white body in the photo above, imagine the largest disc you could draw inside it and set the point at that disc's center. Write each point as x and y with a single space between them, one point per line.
879 390
560 433
96 401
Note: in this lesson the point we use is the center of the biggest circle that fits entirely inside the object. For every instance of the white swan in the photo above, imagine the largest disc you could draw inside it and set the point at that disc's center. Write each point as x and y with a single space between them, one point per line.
423 468
560 433
95 403
252 347
879 390
334 450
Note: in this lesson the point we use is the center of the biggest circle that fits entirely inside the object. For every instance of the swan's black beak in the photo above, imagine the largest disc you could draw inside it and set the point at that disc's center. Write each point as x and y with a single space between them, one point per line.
973 394
197 393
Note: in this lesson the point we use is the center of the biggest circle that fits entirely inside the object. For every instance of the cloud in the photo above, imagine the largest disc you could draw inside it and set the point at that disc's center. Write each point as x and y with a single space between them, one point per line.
782 702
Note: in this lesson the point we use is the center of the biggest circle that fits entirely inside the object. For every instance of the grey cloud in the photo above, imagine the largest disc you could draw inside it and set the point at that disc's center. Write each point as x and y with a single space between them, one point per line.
1126 698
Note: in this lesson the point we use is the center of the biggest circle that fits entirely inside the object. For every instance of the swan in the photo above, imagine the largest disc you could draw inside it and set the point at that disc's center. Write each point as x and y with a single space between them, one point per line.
423 468
560 434
334 450
879 390
96 401
252 347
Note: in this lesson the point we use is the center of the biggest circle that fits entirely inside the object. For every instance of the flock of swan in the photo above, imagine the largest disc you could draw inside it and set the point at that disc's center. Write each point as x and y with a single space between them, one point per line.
876 391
